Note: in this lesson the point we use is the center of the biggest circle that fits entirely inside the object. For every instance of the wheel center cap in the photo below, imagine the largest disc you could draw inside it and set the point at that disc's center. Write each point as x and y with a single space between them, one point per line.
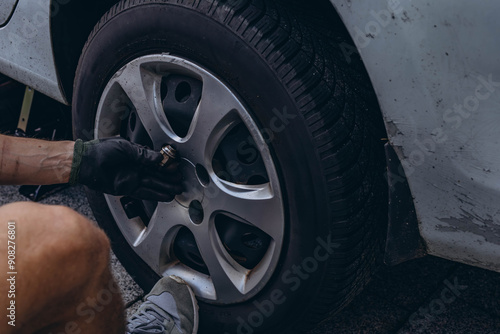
193 189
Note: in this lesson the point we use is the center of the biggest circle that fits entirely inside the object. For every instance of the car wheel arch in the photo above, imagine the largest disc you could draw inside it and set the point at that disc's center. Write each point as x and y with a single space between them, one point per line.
71 23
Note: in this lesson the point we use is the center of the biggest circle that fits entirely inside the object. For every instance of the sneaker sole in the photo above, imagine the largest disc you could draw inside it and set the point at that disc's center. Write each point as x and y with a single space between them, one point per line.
193 299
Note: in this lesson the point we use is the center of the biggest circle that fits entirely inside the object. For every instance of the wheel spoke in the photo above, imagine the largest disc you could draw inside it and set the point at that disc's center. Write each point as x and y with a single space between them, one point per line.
258 206
153 244
141 87
216 113
227 276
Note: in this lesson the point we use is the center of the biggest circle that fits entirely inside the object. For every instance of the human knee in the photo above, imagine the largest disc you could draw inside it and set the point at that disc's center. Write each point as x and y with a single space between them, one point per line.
76 236
59 235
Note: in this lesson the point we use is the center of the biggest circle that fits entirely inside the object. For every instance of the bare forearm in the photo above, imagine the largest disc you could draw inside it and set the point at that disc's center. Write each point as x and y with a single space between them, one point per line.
32 161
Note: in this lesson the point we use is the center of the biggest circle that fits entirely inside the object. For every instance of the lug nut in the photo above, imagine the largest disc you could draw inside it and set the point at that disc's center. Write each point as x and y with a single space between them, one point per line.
169 153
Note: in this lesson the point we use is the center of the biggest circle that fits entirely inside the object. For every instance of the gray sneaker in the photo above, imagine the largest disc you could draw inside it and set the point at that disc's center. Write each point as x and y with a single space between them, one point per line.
170 308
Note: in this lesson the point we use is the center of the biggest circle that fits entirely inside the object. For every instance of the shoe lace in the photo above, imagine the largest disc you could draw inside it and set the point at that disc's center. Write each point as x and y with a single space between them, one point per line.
148 321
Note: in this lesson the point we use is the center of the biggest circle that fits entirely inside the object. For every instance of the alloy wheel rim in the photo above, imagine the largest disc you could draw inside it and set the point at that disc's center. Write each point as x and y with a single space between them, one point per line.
138 88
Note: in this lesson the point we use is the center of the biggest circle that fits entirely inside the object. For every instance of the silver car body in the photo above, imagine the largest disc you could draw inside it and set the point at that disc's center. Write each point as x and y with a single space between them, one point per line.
26 46
9 6
434 67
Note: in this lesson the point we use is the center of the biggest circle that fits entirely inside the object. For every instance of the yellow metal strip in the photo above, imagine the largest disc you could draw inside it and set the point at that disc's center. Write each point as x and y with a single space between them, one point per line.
26 108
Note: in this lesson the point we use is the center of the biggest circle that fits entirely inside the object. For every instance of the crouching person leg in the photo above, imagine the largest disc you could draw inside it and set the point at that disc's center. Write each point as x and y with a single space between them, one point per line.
60 280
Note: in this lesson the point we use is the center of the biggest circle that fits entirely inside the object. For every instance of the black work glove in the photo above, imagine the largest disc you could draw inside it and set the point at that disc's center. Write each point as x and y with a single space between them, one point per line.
118 167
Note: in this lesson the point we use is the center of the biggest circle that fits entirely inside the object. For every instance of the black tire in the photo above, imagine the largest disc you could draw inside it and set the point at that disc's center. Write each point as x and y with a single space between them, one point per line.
329 157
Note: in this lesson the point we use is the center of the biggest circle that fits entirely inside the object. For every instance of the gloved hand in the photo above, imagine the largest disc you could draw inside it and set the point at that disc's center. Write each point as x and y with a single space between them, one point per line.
118 167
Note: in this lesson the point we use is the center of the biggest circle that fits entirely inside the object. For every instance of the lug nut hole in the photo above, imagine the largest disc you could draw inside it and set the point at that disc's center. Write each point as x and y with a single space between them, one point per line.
196 213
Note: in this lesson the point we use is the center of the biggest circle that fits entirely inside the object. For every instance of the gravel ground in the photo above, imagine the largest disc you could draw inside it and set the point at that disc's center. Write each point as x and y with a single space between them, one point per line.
428 295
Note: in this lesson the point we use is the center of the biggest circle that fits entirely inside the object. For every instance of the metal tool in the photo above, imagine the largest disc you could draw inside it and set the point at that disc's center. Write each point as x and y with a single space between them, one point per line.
25 112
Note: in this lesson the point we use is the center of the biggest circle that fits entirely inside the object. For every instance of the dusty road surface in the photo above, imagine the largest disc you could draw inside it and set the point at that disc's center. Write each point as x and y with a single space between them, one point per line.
428 295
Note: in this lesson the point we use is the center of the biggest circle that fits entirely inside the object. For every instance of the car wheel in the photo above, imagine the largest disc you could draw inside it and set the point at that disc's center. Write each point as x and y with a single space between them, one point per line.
283 213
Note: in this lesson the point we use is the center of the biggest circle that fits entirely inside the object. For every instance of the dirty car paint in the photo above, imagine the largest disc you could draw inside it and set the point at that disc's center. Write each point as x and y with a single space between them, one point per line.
435 68
26 47
6 8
